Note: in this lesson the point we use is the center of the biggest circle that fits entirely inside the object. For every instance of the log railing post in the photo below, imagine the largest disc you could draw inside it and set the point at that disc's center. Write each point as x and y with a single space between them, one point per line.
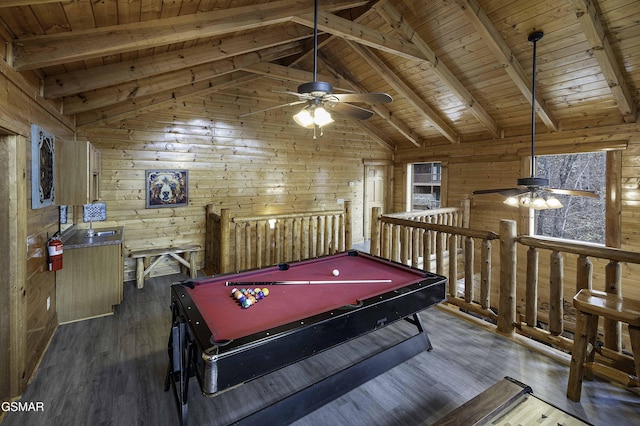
225 241
466 212
613 329
531 308
584 273
415 247
485 274
453 266
508 268
556 298
469 259
405 234
209 238
348 225
440 253
376 227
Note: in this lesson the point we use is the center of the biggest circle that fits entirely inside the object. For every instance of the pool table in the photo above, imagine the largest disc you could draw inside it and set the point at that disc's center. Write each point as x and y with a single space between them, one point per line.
312 305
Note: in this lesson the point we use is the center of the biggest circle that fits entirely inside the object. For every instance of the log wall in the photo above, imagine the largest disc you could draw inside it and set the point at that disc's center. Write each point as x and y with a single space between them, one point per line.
30 326
253 166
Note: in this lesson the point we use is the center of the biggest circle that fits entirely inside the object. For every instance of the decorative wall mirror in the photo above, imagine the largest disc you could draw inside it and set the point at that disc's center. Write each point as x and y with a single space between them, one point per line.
43 183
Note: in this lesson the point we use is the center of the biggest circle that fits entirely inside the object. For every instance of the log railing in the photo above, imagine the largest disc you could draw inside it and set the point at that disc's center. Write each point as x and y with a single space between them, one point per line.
394 237
420 238
239 243
586 255
475 296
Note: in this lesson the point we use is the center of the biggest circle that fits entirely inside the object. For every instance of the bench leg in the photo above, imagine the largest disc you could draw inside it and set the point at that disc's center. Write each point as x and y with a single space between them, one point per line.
586 331
140 272
192 265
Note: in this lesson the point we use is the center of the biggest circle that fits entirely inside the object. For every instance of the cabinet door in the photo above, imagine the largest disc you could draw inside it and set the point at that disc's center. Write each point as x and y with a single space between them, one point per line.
78 170
88 285
95 167
73 168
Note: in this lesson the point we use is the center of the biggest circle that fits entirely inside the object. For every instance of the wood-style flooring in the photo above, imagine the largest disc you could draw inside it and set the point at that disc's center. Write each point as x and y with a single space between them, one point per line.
111 371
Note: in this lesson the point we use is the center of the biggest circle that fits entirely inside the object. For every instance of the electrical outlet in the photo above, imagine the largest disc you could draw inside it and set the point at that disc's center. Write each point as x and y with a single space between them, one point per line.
48 303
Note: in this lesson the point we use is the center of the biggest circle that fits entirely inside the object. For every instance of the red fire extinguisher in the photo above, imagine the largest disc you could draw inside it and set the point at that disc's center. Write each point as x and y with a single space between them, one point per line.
55 253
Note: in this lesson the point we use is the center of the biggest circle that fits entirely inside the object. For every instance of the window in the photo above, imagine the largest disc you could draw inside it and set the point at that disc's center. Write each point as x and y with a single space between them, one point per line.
581 218
424 183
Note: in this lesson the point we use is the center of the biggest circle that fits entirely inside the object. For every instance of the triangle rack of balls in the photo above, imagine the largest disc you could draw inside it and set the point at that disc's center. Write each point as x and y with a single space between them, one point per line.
247 297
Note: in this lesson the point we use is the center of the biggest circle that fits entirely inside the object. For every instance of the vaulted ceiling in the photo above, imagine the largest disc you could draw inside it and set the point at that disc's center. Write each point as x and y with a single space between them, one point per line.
458 70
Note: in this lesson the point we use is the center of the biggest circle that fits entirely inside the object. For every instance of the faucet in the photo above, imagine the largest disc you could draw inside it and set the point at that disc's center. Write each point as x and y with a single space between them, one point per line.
91 231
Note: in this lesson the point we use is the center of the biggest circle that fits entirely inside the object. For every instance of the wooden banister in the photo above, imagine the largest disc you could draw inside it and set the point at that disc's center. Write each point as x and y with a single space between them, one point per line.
238 243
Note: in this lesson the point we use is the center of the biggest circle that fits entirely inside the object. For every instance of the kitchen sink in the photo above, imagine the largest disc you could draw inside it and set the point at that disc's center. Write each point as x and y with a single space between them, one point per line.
104 233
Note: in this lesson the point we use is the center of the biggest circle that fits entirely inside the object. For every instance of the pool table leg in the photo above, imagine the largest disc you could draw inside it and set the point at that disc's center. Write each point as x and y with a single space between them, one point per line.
181 350
417 321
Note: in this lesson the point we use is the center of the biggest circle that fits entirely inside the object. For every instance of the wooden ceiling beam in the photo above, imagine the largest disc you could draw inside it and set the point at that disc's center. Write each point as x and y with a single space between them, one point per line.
397 22
14 3
507 59
380 109
405 91
160 83
601 49
56 49
361 34
280 72
76 82
374 134
163 100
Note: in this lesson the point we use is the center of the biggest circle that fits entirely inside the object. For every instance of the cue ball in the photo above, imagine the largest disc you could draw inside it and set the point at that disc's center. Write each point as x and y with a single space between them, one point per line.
336 272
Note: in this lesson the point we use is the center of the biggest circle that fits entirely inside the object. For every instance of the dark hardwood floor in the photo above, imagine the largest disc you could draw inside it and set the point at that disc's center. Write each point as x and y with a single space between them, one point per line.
111 370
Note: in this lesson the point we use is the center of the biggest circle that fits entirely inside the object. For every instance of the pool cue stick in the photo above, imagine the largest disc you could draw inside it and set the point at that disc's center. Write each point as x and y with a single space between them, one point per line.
259 283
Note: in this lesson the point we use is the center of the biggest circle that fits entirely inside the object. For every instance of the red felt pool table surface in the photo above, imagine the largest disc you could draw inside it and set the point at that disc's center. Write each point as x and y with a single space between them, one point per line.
227 320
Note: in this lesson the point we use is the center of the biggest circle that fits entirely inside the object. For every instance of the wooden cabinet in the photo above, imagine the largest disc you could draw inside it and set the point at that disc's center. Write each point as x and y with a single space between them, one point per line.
90 282
78 169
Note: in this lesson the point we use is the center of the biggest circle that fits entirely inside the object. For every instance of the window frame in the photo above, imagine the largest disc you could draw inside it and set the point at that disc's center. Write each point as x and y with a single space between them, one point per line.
613 187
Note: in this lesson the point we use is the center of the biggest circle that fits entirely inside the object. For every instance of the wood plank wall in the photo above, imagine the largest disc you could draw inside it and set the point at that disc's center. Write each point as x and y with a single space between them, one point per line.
21 105
257 165
497 164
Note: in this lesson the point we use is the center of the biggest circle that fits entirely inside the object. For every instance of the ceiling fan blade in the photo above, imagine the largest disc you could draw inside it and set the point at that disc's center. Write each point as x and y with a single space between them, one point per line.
370 98
578 192
507 192
352 111
274 107
287 92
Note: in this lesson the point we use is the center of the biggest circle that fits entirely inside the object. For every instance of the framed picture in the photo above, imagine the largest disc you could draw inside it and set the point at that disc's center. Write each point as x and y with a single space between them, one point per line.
167 188
43 155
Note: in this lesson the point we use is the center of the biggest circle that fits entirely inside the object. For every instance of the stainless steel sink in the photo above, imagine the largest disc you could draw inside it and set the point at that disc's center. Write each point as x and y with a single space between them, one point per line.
104 233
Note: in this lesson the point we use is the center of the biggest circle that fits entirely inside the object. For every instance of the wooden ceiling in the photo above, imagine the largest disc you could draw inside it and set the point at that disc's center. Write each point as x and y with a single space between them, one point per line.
458 70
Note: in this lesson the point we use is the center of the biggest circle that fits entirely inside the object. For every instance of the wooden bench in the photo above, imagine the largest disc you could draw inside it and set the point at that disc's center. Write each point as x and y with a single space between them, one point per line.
185 255
591 304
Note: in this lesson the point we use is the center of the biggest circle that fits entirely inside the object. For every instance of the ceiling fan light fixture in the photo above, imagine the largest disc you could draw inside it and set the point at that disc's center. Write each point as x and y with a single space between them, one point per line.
321 116
535 201
311 116
511 201
304 118
553 203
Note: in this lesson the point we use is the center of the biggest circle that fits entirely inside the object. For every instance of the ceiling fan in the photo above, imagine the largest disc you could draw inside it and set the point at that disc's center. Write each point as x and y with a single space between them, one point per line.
320 99
530 189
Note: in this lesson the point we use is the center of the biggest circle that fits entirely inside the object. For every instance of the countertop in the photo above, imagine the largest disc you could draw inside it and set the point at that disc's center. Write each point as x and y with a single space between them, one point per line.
77 238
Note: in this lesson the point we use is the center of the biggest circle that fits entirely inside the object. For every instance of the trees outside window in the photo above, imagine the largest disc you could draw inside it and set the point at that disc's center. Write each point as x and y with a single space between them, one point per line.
581 218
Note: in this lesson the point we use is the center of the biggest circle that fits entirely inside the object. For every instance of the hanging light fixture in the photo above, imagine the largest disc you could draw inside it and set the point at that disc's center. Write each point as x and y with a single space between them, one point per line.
534 199
312 116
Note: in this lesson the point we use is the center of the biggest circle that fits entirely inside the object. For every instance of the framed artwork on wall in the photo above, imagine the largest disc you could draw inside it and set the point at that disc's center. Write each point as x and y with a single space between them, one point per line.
167 188
43 155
